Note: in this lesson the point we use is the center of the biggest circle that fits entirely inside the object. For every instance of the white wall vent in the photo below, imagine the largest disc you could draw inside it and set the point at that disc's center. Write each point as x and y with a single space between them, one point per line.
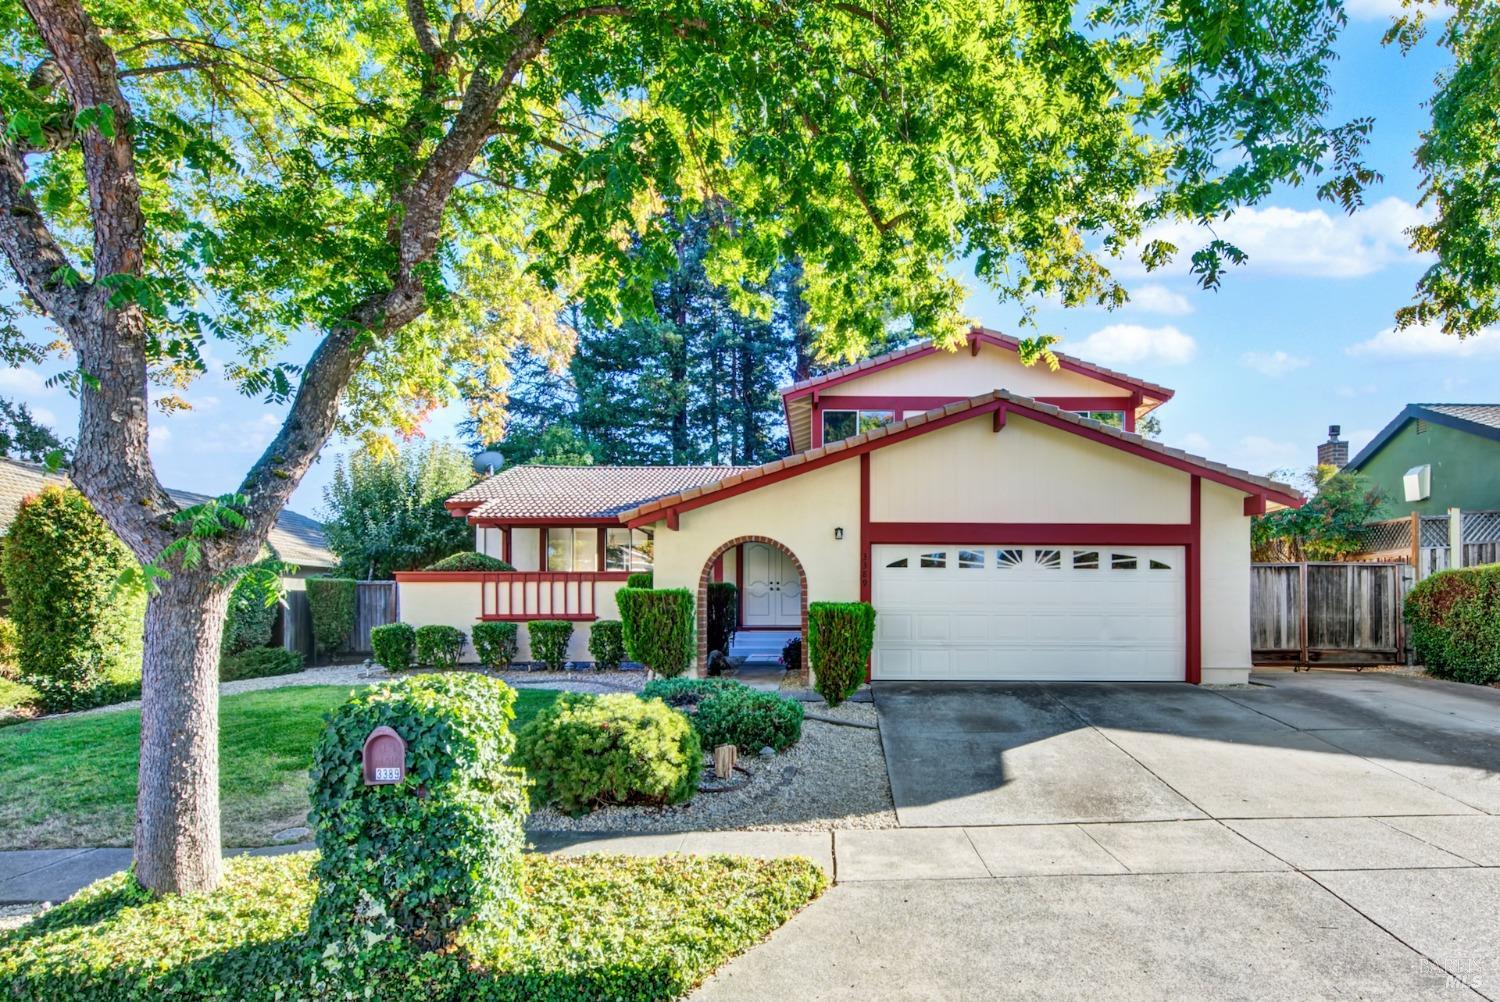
1418 483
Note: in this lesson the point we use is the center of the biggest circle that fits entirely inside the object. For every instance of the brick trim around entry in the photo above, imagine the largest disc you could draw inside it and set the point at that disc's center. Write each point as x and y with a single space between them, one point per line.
706 575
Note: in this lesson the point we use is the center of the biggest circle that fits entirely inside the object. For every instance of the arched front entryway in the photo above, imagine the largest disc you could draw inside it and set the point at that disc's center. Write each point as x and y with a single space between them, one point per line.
707 573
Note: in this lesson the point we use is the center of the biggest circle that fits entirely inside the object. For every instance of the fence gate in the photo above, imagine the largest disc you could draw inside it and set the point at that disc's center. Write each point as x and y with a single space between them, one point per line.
1328 613
375 605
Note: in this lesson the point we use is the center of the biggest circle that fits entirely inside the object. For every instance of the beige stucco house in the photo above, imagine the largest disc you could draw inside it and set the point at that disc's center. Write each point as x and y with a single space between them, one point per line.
1004 520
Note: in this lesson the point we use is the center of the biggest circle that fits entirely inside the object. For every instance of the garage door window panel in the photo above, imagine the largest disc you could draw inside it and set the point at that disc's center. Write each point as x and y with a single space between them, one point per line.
934 561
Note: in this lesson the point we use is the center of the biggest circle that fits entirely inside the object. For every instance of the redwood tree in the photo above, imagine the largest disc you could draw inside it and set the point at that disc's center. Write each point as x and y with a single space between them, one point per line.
404 192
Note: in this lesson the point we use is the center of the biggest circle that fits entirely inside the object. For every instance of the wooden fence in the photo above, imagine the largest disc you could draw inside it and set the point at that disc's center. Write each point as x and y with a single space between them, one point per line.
375 605
1328 613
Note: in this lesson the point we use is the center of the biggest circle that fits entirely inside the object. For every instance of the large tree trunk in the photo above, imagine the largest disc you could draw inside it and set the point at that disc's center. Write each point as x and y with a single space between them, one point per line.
177 810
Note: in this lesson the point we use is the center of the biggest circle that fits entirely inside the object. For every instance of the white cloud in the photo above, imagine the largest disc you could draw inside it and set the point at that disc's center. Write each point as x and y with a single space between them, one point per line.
1257 453
1428 342
1196 443
1380 9
28 381
1160 299
1273 363
1128 344
1310 243
46 416
159 435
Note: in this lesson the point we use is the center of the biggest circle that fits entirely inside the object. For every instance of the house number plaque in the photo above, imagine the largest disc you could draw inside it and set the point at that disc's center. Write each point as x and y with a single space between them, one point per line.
384 757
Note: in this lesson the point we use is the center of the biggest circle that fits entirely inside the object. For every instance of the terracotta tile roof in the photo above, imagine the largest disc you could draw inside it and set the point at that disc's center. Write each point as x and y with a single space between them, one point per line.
295 538
1160 393
579 491
1250 481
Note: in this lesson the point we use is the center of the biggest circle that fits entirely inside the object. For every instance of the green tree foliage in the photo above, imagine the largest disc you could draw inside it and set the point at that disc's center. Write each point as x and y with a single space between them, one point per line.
1456 157
840 636
76 629
415 191
435 869
384 509
250 619
23 437
723 614
1330 525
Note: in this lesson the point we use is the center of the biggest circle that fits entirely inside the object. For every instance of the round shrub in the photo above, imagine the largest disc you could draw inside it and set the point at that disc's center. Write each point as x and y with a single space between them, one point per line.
726 712
393 646
658 628
250 619
78 634
259 662
749 719
607 644
588 751
440 646
468 560
496 644
723 615
1454 619
331 601
549 642
840 635
434 860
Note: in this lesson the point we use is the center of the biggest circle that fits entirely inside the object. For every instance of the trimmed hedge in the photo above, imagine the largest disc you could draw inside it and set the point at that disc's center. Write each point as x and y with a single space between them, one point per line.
634 929
259 662
468 560
840 635
726 712
607 644
432 862
393 646
332 602
440 646
549 642
640 579
78 634
249 621
658 628
1454 618
723 615
588 751
496 644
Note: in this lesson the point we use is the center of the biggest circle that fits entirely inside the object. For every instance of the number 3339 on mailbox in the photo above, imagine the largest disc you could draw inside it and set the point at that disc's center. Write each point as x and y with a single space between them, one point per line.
384 757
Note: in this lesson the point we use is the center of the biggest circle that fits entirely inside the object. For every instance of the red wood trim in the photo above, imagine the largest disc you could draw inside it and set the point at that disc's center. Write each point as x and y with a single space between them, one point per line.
739 584
572 617
548 521
1121 403
719 569
1194 585
1255 504
865 547
974 344
999 418
460 508
505 551
919 404
1039 533
672 514
529 576
599 540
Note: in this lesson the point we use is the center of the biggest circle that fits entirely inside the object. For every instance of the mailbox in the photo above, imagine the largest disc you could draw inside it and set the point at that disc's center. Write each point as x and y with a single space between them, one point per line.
384 757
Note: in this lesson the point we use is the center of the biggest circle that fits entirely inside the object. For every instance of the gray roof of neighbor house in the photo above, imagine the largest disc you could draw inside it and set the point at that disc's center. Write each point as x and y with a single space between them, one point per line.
295 538
1476 419
532 493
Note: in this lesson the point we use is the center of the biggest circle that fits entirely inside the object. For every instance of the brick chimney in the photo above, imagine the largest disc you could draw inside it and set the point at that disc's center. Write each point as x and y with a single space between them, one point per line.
1335 451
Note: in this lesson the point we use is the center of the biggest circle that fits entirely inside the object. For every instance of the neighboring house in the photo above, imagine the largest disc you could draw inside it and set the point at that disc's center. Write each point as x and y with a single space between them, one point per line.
1433 457
1001 518
295 539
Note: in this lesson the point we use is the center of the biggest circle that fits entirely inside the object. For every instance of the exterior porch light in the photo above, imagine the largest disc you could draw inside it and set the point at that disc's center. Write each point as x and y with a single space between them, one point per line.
838 533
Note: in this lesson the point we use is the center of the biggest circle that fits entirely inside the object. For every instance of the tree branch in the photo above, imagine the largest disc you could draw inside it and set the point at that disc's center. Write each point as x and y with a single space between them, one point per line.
34 254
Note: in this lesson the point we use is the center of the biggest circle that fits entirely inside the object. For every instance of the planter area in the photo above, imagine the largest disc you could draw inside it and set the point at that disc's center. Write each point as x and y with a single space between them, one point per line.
834 777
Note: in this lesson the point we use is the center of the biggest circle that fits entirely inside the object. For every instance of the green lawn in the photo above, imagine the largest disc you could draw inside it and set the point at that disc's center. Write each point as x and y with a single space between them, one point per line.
71 781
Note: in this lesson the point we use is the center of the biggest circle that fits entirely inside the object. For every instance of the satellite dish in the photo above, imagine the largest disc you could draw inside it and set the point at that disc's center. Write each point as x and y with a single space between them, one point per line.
488 461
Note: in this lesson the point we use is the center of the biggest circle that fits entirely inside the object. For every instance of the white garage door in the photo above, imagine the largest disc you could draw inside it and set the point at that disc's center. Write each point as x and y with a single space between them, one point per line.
1029 612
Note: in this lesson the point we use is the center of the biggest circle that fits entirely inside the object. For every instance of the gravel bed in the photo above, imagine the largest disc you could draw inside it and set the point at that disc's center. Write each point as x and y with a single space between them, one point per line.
833 778
15 916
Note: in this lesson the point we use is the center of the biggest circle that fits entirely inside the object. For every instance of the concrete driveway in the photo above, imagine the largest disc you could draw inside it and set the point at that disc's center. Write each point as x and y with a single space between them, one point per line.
1324 835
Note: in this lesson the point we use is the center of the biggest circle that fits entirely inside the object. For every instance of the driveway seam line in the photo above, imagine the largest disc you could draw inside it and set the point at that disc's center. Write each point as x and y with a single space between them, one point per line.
1104 848
977 854
1356 910
1113 744
1427 842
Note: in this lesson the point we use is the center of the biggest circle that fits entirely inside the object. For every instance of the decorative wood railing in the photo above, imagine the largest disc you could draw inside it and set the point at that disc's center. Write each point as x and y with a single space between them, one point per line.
522 595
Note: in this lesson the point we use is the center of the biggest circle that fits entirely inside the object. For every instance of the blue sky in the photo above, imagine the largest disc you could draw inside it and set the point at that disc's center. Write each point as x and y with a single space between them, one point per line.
1297 339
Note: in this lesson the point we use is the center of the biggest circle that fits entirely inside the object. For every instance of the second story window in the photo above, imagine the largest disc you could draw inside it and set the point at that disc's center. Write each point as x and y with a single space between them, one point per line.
846 424
1115 419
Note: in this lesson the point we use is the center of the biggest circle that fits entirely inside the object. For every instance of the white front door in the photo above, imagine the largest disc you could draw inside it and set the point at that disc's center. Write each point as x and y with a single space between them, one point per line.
1023 612
773 592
